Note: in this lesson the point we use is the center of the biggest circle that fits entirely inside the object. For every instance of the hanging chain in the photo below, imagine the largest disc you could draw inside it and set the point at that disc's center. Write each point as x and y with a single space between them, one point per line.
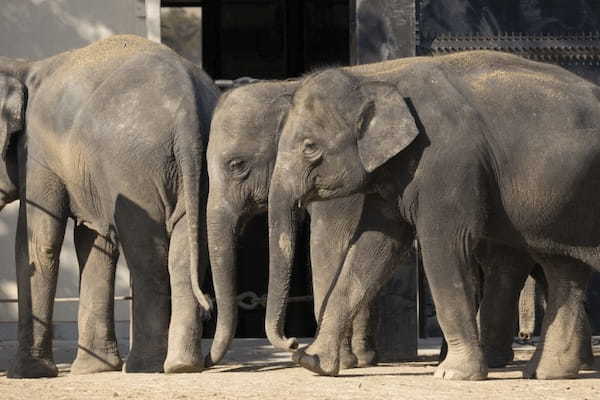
246 300
251 301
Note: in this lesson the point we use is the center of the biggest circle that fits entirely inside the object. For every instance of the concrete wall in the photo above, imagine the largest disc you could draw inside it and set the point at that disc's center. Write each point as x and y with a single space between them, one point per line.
35 29
40 28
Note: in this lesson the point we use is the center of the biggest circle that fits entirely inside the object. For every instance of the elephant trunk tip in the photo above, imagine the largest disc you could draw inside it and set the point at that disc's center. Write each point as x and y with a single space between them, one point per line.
283 343
206 305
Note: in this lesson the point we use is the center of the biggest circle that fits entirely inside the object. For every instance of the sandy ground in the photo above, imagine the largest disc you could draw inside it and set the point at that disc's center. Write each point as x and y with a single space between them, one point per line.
255 371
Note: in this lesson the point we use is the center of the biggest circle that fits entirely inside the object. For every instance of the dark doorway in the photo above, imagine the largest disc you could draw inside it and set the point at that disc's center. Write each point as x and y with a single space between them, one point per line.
274 39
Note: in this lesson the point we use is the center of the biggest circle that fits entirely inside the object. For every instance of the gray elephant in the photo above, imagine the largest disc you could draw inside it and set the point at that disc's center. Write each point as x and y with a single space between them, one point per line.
241 154
113 136
479 152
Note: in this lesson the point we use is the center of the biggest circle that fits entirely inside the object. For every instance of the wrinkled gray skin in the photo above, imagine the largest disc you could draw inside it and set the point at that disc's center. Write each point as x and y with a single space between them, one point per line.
241 155
479 151
113 136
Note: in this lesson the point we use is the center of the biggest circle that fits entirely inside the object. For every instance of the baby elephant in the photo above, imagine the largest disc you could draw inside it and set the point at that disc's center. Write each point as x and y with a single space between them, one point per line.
112 135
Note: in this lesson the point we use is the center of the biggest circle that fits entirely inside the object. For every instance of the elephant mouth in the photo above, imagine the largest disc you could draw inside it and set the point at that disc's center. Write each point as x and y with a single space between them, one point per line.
328 191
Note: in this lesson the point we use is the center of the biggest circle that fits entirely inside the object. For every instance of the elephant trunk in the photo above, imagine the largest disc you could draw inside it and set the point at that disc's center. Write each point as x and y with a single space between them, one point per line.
222 227
282 243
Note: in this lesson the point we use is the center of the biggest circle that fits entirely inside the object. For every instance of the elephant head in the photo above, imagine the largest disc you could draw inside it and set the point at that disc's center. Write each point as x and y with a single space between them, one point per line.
340 130
240 156
13 100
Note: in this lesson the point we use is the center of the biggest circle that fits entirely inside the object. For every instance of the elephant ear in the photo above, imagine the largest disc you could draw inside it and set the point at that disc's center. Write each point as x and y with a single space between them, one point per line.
386 125
13 97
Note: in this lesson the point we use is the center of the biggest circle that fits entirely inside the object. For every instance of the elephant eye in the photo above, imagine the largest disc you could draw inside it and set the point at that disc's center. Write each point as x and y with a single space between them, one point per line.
311 150
237 167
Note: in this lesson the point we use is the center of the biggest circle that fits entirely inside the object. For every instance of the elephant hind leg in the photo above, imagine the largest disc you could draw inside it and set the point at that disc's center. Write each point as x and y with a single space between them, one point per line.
565 328
97 349
185 330
145 246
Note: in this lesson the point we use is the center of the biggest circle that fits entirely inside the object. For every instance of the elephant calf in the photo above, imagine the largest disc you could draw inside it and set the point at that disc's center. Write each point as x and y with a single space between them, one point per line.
112 135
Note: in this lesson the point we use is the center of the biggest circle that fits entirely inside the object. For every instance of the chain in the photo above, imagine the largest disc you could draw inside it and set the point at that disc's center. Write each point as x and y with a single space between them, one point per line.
250 300
246 300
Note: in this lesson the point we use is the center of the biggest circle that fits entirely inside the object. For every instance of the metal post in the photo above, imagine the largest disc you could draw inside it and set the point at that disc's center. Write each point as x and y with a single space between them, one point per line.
383 30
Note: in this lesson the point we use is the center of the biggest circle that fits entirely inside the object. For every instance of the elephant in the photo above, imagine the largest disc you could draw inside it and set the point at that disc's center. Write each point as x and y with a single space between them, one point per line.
240 158
479 152
112 135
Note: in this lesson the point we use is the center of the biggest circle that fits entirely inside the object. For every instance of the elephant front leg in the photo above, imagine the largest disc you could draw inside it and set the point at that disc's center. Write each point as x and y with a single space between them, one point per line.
40 234
452 280
565 336
97 348
357 348
367 265
363 327
185 329
505 274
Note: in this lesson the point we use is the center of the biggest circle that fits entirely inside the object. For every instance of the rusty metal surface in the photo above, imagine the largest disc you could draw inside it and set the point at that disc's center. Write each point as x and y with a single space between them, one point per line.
567 49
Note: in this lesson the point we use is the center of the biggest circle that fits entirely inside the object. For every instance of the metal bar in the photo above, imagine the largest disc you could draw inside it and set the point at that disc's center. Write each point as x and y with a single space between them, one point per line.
193 3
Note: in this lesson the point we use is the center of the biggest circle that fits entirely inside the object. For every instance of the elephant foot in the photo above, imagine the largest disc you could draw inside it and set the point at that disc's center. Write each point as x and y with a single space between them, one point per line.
31 367
462 368
499 359
320 364
366 357
552 369
347 359
90 362
183 364
137 364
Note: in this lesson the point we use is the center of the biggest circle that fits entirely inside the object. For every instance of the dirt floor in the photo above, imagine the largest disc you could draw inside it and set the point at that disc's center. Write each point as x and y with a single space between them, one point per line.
255 371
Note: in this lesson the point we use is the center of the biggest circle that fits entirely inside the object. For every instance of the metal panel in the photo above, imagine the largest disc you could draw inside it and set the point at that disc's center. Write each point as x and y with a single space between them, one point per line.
382 30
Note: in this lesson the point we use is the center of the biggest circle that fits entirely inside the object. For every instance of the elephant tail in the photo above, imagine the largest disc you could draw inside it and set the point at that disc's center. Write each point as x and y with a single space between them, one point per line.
189 148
